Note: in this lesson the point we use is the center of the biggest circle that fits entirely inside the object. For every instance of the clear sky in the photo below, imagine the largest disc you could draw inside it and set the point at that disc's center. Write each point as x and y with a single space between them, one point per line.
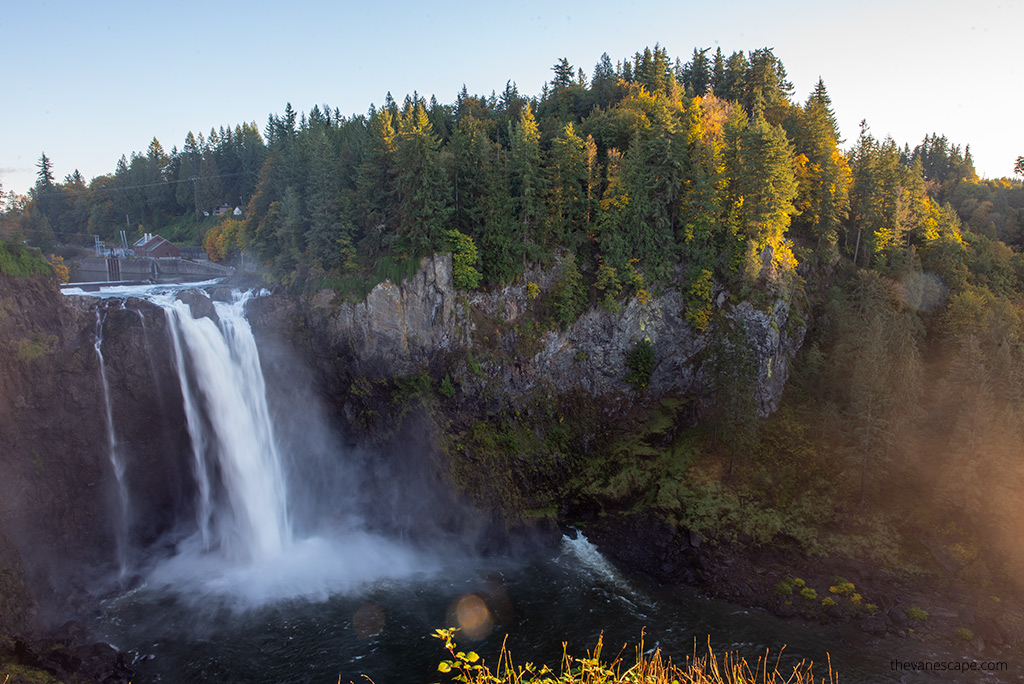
86 82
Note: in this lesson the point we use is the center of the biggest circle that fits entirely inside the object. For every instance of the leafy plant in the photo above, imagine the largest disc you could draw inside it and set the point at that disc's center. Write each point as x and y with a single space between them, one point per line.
464 260
650 668
917 614
640 364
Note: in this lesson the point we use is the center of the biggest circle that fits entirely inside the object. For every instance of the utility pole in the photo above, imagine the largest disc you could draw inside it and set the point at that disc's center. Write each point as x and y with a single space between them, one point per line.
195 195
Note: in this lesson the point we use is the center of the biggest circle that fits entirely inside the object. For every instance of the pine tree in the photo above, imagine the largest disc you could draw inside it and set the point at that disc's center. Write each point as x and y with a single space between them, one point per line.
329 236
44 177
422 191
526 180
568 184
765 185
823 173
375 184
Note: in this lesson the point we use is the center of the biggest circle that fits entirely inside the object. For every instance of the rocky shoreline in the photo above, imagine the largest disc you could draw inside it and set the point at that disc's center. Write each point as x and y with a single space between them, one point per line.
933 613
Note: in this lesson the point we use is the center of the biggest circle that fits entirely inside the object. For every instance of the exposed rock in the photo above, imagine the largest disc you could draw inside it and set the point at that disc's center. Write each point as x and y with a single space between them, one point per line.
56 479
71 661
200 303
16 604
399 326
403 328
872 625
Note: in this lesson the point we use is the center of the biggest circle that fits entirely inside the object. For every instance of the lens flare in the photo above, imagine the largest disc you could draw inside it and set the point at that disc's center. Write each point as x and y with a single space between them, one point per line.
368 620
471 614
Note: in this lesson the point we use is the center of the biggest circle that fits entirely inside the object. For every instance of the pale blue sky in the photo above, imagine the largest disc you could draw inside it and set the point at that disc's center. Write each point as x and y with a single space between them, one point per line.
88 82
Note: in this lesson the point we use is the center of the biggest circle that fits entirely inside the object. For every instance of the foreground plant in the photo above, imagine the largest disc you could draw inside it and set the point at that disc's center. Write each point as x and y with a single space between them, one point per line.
469 668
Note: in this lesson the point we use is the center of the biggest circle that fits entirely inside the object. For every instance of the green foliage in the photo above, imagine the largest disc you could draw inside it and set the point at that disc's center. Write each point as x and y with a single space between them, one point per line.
568 294
640 364
20 261
698 301
447 388
917 614
31 348
809 594
464 260
963 634
649 668
608 286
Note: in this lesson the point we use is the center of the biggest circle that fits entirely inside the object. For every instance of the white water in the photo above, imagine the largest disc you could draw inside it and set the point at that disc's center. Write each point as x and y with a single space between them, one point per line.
588 556
245 552
232 433
116 460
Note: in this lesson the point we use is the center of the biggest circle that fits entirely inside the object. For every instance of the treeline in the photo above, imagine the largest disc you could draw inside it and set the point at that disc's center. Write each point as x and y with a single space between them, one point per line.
146 192
650 167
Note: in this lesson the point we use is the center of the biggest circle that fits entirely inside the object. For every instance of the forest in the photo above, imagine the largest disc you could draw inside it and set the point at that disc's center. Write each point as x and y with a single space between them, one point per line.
906 407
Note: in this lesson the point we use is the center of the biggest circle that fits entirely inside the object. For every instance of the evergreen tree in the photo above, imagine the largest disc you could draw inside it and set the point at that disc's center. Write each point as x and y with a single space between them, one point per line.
604 89
329 235
44 177
526 179
697 74
822 171
375 184
765 187
568 187
422 191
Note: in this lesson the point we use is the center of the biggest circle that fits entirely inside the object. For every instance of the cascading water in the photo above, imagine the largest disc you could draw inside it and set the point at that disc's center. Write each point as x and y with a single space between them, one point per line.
116 460
245 550
232 433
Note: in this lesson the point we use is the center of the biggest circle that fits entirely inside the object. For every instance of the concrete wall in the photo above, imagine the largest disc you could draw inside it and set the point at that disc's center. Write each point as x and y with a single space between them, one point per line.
141 269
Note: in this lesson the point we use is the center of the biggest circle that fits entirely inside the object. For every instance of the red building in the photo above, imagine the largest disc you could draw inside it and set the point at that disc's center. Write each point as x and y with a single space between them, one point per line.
155 247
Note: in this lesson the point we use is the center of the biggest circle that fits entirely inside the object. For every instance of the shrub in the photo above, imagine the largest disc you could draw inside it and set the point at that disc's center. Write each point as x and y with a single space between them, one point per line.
698 301
568 293
828 602
640 364
809 594
917 614
963 634
650 668
19 260
464 260
841 587
447 388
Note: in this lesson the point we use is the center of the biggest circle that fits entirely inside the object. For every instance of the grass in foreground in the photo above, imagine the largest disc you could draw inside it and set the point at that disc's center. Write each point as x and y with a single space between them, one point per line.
469 668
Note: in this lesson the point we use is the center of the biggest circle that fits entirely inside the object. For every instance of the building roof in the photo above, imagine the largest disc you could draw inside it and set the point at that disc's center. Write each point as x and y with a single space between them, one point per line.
145 245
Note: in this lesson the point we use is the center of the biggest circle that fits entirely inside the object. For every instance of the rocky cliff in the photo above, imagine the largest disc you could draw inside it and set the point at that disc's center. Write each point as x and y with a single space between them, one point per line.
419 324
60 497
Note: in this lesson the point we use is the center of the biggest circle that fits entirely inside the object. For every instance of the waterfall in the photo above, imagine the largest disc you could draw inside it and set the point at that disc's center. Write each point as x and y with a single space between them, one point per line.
242 505
116 461
249 546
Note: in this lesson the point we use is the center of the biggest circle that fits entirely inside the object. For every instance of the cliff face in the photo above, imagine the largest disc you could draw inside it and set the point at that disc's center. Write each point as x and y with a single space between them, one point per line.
406 328
60 498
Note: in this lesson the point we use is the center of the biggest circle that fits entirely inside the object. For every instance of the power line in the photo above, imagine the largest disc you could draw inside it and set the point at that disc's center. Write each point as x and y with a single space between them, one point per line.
143 185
